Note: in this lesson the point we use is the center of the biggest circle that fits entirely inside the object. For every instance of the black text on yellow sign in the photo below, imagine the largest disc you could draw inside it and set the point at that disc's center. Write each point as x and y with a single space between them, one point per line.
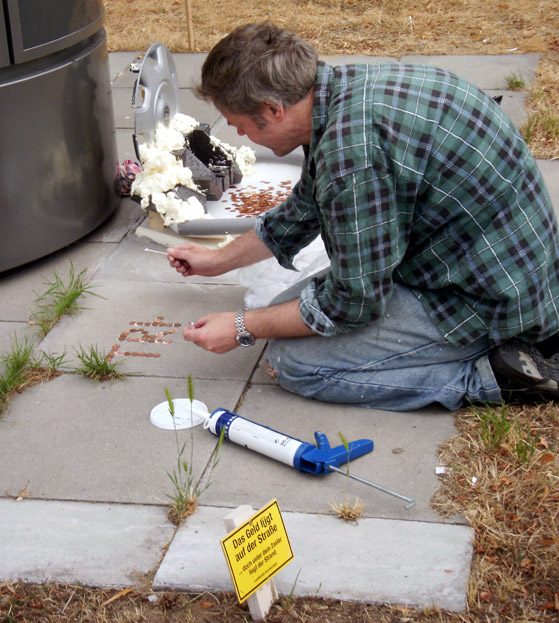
257 550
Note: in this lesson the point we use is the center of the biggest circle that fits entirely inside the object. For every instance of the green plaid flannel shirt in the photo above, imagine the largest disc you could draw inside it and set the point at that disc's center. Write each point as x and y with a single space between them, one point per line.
414 176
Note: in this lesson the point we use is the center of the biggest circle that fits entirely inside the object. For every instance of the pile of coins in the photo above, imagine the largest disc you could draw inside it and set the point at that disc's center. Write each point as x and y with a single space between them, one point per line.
144 336
252 201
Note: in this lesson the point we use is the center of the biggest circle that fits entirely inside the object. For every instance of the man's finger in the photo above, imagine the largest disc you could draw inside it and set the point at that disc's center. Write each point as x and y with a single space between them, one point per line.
189 332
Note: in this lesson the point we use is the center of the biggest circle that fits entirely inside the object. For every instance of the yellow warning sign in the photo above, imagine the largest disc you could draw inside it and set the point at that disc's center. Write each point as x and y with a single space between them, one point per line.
257 550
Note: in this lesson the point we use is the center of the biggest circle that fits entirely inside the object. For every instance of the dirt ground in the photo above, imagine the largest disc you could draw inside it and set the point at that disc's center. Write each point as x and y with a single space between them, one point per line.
393 27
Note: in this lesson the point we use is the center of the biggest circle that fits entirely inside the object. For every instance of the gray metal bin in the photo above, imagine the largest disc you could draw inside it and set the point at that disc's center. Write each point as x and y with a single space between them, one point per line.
58 156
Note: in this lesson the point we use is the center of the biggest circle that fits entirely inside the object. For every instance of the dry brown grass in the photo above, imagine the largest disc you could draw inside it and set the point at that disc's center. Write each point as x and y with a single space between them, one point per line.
509 493
347 510
542 129
388 27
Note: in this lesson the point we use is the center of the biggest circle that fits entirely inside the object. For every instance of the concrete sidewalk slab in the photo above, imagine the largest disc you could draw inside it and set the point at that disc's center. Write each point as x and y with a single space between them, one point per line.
403 459
125 146
203 112
513 104
20 288
123 316
116 227
119 67
123 111
550 172
76 439
411 563
130 262
189 68
485 71
94 544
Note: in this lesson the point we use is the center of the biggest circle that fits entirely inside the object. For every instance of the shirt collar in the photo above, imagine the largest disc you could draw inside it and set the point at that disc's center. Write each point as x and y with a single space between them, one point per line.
322 94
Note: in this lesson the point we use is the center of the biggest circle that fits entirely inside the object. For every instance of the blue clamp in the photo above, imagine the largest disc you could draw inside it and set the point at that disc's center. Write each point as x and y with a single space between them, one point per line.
317 459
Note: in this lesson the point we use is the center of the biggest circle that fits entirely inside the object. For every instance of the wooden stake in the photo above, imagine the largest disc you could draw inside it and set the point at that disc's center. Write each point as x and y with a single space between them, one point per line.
260 602
188 7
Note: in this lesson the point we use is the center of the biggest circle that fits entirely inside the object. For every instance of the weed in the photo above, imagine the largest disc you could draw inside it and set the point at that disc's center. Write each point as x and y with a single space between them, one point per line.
59 299
347 510
15 363
495 424
22 368
525 446
542 125
95 366
286 601
514 82
346 446
187 489
184 498
52 362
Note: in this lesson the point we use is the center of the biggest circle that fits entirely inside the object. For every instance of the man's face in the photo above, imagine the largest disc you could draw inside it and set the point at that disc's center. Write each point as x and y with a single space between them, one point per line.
271 129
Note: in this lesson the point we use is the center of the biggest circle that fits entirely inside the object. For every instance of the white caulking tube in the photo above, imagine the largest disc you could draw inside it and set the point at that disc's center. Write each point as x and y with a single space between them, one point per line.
293 452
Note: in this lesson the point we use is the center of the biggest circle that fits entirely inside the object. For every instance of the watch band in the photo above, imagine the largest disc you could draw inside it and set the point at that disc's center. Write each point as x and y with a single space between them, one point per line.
244 337
240 320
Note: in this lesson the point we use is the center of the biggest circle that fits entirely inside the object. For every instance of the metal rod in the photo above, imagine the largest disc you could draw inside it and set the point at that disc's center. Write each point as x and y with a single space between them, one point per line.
411 502
154 251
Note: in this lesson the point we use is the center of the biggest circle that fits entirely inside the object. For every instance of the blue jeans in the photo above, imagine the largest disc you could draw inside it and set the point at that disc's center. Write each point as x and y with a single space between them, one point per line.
398 363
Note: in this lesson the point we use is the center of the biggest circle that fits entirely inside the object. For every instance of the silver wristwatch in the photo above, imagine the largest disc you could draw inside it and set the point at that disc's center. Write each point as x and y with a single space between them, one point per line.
244 337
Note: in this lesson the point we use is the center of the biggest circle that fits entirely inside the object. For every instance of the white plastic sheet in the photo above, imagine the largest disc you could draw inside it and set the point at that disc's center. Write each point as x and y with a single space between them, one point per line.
267 279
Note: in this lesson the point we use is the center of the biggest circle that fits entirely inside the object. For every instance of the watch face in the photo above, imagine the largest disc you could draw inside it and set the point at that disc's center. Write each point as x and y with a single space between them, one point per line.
245 339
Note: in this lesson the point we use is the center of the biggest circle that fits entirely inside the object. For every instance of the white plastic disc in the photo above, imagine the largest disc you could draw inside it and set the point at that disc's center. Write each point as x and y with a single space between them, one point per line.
187 414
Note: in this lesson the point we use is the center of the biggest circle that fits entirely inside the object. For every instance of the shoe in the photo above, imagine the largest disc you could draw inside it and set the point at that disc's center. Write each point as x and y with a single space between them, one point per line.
524 374
549 347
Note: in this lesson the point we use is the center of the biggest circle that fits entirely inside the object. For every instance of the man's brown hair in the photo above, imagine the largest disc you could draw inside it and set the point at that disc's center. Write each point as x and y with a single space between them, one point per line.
257 64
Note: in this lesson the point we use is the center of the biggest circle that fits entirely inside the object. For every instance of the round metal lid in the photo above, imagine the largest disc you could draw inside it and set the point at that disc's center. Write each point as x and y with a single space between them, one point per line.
156 92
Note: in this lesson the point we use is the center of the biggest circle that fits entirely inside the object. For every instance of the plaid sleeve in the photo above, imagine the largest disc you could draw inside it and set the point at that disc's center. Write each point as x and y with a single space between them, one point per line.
365 231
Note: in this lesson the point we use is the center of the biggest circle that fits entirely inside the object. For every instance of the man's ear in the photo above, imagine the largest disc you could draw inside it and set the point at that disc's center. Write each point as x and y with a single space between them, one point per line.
273 111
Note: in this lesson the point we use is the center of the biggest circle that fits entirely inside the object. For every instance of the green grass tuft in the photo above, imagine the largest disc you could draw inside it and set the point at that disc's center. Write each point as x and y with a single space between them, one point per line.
59 299
95 366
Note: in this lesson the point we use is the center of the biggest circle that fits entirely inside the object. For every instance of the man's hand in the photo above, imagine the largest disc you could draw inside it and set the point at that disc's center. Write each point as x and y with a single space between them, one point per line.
215 332
194 259
218 332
